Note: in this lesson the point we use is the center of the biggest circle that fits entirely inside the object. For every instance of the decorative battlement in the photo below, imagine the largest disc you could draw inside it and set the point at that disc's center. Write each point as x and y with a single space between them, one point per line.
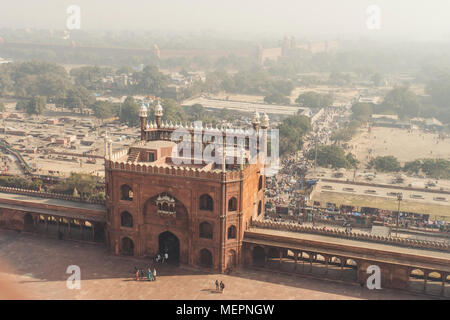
421 244
177 171
204 128
50 195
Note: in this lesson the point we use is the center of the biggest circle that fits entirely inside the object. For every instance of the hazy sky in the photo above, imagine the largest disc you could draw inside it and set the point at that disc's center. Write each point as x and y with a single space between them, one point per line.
410 19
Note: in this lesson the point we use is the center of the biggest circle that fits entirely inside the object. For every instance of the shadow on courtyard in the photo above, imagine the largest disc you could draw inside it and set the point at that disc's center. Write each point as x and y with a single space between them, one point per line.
45 259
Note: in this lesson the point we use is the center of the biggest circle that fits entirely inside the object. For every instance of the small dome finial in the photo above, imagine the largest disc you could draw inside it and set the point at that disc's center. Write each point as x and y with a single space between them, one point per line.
158 109
265 120
256 117
143 111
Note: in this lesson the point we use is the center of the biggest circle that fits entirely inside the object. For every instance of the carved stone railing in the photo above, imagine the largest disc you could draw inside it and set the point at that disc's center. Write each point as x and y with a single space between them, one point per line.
412 243
48 195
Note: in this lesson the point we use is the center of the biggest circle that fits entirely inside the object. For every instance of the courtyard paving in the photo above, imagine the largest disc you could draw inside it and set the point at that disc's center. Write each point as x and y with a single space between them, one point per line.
34 267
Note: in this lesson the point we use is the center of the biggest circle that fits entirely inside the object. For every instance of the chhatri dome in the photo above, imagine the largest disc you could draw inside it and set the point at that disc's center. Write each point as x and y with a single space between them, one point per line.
256 117
143 111
158 110
265 120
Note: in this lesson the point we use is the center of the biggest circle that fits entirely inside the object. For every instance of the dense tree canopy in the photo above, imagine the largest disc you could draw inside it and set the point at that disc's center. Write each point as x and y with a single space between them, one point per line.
385 164
277 98
104 109
150 81
86 185
36 105
332 155
291 131
90 77
314 100
129 112
172 111
28 79
401 101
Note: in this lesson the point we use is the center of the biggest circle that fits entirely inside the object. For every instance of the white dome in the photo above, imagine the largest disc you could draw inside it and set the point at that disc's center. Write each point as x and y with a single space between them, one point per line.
158 110
256 117
265 120
143 111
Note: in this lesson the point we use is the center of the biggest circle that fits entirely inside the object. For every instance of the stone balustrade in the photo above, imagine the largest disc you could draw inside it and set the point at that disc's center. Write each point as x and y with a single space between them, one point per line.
422 244
50 195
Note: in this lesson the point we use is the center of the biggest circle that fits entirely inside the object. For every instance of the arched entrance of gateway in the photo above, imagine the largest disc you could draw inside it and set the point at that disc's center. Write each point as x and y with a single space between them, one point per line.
168 242
127 248
28 223
206 258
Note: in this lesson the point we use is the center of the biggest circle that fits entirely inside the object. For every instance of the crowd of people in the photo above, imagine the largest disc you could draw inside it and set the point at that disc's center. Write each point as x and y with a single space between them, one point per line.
146 274
280 189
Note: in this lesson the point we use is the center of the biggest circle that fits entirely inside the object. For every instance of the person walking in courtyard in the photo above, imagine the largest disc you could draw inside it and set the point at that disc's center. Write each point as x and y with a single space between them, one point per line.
154 273
166 256
137 275
149 275
217 285
222 286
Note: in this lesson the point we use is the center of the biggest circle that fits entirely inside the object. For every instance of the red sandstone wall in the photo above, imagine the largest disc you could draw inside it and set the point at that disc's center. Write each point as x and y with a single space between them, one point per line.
148 225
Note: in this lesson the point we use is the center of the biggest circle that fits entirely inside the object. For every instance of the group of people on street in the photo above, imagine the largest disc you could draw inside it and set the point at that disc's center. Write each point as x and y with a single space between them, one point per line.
148 274
220 286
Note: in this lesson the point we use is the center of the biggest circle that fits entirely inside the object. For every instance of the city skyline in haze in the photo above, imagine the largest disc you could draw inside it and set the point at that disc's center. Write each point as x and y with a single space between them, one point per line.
411 20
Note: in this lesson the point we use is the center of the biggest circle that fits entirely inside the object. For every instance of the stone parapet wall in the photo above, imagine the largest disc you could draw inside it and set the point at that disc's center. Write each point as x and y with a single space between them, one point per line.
422 244
174 170
41 194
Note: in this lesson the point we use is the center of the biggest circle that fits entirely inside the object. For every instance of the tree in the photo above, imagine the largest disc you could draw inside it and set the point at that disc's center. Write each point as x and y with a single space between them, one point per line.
439 90
82 183
346 133
340 78
21 105
413 166
314 100
351 160
79 98
36 105
150 81
90 77
401 101
385 164
291 131
195 112
172 111
436 168
276 98
39 79
130 112
332 155
103 109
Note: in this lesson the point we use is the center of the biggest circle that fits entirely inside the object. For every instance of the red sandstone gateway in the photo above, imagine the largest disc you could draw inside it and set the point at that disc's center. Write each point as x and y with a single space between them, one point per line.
196 212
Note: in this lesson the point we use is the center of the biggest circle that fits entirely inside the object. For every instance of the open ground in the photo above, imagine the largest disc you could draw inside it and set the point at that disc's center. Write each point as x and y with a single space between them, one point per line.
36 269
